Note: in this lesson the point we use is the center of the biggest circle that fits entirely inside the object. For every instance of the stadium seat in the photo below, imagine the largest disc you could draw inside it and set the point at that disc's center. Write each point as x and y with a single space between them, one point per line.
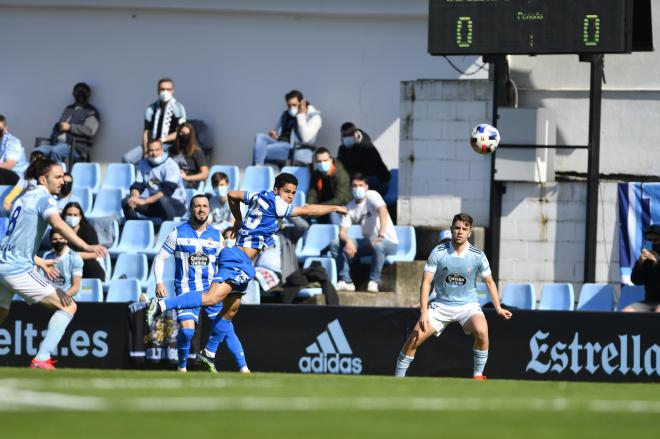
557 297
393 189
330 267
519 295
86 175
137 237
108 203
630 294
91 290
482 294
131 266
252 295
302 174
257 179
231 171
317 237
168 275
407 246
299 199
107 267
84 194
119 176
150 287
123 290
165 229
596 297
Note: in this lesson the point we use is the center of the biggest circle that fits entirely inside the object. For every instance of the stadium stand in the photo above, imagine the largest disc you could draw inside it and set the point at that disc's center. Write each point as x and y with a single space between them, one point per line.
87 175
329 266
86 198
165 229
108 203
519 295
557 297
630 294
119 176
232 172
596 297
123 290
302 174
258 178
131 266
317 238
136 237
91 290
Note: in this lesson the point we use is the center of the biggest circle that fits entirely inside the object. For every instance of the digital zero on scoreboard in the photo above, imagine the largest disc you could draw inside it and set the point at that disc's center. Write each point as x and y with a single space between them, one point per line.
482 27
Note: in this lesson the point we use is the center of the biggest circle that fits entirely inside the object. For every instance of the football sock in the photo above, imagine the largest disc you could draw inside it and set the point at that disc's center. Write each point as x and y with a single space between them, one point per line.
189 300
56 326
183 345
218 334
235 347
480 358
402 365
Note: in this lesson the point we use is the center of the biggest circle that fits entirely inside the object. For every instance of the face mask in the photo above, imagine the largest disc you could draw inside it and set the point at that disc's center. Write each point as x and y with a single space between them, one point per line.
359 192
184 139
293 111
72 221
221 191
229 243
348 141
165 95
58 246
80 96
66 189
324 166
158 160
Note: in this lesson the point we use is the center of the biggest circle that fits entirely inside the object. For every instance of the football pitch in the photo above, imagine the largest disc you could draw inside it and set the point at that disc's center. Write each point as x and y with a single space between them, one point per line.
74 403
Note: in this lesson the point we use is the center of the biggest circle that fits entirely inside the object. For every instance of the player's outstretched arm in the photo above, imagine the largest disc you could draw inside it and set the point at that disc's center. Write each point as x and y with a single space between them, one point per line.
318 210
67 232
495 298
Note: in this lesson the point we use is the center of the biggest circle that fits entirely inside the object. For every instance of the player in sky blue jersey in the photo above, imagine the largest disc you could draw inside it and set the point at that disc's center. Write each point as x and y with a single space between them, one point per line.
235 269
27 223
453 268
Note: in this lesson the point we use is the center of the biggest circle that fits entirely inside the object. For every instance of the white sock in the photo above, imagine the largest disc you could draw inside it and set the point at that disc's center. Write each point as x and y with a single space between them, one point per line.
56 327
209 353
402 365
480 359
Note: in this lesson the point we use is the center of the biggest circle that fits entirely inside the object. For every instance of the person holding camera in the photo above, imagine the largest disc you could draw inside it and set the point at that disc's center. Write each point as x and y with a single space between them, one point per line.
647 272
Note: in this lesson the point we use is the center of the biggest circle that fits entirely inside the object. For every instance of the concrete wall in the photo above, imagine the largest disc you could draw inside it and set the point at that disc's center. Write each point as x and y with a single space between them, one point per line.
231 61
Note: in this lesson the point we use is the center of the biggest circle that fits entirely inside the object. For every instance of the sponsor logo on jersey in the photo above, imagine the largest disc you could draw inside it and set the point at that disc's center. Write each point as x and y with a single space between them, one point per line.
330 353
198 259
455 280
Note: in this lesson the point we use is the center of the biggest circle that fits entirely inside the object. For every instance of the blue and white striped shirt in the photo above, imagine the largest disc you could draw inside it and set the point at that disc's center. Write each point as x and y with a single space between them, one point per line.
260 223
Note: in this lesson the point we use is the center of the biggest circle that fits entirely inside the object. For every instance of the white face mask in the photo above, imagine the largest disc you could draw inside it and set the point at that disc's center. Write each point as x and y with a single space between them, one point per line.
72 221
229 243
359 192
221 191
293 111
165 95
348 141
158 160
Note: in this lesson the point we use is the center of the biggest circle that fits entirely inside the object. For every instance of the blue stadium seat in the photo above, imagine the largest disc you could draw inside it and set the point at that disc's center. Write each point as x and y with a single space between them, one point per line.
86 175
317 237
108 203
107 267
299 199
557 297
519 295
190 192
596 297
231 171
393 189
168 275
407 246
257 179
131 266
330 267
119 176
84 194
150 287
482 294
630 294
252 295
302 174
165 229
91 290
123 290
137 237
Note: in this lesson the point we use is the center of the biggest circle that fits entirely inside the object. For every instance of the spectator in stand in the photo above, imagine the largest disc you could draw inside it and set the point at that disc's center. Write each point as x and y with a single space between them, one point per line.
158 188
69 264
358 154
66 195
330 184
189 156
78 123
647 272
444 237
12 156
220 217
161 121
379 235
299 123
28 181
73 215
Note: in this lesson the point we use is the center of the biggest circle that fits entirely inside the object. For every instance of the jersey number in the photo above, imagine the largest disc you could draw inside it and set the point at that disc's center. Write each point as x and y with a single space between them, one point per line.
12 221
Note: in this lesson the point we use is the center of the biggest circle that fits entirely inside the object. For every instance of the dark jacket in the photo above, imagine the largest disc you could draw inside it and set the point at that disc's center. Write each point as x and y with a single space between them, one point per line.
647 273
331 188
363 157
84 120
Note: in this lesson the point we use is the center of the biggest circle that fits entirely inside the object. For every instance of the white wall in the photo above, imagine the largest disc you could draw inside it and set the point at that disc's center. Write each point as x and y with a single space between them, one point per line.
232 62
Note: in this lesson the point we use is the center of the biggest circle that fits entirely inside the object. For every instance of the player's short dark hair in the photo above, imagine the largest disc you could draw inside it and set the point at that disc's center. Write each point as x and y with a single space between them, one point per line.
218 177
285 178
293 94
190 205
165 79
348 128
359 176
462 217
322 150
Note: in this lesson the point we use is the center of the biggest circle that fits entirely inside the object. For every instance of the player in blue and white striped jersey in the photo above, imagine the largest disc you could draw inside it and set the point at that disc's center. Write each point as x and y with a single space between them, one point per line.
453 269
235 269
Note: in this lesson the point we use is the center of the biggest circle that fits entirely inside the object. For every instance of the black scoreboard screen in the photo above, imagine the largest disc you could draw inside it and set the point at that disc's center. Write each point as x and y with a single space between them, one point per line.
483 27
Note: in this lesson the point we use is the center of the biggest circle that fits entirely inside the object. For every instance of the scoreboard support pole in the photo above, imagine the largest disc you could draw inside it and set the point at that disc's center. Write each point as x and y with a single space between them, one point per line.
497 188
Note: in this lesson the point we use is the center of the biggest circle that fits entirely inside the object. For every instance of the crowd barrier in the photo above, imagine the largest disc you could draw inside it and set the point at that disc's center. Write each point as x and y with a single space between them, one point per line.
537 345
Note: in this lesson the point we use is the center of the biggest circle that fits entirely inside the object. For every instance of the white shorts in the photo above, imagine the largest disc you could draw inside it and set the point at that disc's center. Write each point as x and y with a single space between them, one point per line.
441 315
31 286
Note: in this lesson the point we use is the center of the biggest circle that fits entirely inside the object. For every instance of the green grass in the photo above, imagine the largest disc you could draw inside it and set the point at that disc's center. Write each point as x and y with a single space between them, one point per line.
96 404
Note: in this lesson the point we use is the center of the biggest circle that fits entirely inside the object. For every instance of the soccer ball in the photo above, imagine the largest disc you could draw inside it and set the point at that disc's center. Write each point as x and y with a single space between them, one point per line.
484 138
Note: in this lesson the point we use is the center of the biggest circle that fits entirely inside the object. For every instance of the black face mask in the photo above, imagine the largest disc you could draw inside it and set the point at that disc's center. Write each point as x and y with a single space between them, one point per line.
80 96
66 189
58 246
184 140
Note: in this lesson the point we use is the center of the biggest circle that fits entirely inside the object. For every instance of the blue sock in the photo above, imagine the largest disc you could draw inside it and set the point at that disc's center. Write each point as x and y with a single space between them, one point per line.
218 334
235 347
56 327
193 299
183 345
480 358
402 365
